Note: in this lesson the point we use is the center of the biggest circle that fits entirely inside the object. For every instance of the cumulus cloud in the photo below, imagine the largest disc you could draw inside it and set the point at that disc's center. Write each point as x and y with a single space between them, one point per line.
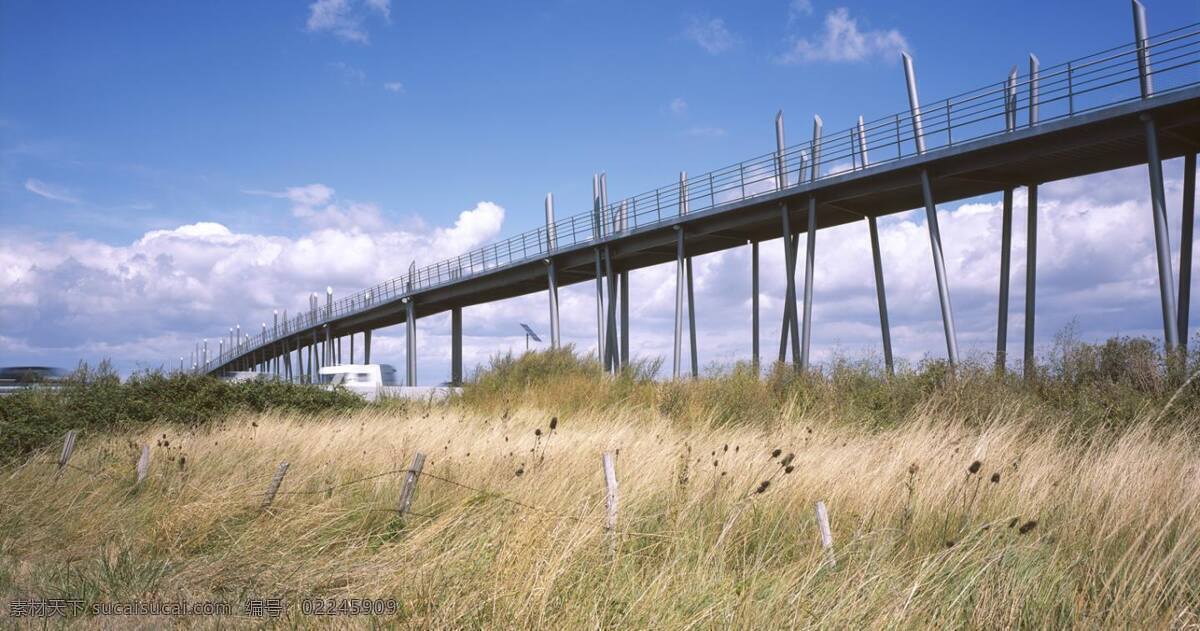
50 191
710 34
841 40
152 298
344 19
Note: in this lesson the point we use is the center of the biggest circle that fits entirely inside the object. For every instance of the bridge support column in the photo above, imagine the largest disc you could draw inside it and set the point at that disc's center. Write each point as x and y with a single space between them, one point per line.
754 355
456 363
881 298
551 270
367 346
939 270
880 293
811 245
679 272
1162 240
935 235
612 362
1029 366
691 299
351 348
597 234
1006 218
624 295
1185 247
791 247
809 264
411 340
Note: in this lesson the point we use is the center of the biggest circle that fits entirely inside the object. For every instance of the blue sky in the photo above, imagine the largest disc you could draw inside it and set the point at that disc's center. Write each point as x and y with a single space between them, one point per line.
122 120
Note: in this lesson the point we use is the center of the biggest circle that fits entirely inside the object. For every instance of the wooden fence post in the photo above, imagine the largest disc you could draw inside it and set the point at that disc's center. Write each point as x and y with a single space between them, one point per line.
67 450
826 533
274 487
143 465
612 497
410 483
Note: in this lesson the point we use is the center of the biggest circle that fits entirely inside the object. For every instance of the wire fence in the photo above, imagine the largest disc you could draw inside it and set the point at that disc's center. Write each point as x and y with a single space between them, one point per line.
267 483
1170 61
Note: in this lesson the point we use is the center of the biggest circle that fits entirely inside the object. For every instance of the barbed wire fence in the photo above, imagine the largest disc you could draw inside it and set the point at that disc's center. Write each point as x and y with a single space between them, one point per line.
271 490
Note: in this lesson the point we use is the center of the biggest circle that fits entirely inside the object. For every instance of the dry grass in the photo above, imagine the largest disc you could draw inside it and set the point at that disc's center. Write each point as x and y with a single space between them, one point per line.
920 541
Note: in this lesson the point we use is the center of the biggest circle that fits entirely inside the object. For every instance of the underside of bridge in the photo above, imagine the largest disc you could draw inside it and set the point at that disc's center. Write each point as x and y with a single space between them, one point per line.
1146 130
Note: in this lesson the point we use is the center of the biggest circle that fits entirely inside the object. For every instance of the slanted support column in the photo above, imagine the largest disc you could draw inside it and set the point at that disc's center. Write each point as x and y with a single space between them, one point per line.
1006 219
790 247
551 271
877 259
456 365
612 361
811 246
1185 247
935 235
1162 240
597 234
754 354
410 322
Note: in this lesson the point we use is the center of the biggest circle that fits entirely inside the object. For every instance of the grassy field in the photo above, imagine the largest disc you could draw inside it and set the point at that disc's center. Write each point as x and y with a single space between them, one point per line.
968 501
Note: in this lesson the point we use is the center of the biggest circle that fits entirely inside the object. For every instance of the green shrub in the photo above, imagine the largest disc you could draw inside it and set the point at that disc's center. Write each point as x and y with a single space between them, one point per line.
96 399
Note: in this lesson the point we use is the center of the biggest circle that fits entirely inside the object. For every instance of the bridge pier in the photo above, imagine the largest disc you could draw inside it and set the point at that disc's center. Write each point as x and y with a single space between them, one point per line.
1185 247
551 270
876 259
1029 365
1006 218
679 271
456 363
811 245
1030 362
931 220
1162 240
367 346
754 354
410 323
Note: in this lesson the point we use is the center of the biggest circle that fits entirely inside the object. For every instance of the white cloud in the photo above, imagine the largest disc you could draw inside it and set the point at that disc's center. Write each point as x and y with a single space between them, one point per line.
50 191
710 34
678 106
150 299
343 19
394 87
841 40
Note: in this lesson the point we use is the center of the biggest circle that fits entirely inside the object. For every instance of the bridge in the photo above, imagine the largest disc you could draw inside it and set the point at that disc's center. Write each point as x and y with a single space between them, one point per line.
1136 103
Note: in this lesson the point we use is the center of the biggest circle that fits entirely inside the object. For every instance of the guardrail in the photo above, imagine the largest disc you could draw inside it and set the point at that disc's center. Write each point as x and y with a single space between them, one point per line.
1096 81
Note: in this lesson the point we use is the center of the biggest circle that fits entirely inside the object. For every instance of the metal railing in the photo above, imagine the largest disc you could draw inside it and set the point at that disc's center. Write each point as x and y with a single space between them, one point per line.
1099 80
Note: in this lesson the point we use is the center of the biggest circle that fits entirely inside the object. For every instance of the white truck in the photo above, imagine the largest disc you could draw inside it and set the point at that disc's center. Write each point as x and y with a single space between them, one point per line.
373 381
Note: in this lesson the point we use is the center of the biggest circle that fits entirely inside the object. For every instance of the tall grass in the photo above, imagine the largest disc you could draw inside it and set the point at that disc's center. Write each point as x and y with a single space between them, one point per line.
508 525
956 499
